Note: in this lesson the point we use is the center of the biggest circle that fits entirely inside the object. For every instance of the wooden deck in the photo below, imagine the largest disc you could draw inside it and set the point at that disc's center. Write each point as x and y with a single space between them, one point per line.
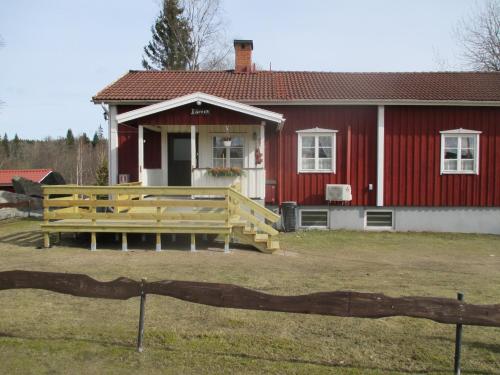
159 210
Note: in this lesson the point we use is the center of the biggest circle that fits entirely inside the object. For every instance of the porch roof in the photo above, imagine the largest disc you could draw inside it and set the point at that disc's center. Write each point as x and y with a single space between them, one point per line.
199 97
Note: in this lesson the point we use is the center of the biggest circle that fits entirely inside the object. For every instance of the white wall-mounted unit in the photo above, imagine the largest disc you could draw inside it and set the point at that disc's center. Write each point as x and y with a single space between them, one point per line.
338 192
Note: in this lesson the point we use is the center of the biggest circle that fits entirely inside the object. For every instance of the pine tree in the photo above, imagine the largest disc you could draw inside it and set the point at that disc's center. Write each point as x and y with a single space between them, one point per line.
5 145
101 174
85 138
15 145
95 139
170 47
100 133
70 138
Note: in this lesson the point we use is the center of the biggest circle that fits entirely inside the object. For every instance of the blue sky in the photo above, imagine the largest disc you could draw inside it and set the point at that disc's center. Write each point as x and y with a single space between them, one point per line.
59 53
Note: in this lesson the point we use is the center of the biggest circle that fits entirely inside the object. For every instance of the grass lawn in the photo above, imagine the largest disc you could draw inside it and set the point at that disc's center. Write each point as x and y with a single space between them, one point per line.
47 333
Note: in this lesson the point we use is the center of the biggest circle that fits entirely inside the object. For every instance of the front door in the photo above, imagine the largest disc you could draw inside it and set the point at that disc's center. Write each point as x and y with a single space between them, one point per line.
179 159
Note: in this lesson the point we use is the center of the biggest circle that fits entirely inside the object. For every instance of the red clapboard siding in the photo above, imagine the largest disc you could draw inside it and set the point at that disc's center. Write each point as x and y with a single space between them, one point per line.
309 188
413 156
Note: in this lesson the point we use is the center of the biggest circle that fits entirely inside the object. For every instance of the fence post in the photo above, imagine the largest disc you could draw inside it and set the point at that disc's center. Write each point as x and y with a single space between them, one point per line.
458 340
140 335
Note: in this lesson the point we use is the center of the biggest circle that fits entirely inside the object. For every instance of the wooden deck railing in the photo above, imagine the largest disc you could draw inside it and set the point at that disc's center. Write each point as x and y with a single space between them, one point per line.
137 209
338 303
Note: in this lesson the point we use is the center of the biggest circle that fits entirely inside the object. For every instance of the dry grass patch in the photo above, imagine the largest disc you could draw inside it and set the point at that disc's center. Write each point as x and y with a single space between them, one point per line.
43 332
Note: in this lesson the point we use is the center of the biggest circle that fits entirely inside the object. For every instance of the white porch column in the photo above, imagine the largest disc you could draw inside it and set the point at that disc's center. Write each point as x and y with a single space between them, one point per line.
113 146
380 154
164 156
262 176
262 143
193 152
141 155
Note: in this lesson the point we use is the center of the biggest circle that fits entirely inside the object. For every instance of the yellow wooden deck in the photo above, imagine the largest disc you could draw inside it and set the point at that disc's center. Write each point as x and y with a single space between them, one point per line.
136 209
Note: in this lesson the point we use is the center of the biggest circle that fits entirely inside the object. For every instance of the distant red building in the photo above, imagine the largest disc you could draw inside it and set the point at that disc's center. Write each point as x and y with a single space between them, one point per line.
405 151
36 175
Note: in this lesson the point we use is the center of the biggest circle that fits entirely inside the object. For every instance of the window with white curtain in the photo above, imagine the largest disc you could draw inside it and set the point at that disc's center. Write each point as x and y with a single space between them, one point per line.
316 150
460 151
232 156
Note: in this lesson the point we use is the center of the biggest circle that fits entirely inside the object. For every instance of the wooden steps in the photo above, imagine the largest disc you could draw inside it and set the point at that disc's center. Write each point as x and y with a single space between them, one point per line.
261 241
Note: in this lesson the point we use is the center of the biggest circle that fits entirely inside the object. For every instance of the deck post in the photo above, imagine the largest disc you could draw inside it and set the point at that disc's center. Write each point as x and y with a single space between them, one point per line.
46 240
226 243
158 241
124 242
93 242
193 242
143 237
173 237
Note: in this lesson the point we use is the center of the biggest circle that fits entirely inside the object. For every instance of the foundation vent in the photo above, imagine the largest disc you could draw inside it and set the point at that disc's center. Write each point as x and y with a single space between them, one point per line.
377 219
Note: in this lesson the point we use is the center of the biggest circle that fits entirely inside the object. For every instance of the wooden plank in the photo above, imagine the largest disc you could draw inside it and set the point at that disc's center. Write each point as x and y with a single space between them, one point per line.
135 190
165 228
338 303
56 215
200 203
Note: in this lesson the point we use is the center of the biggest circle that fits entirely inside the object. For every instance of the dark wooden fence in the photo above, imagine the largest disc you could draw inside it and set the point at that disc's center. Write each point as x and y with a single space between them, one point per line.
20 204
339 303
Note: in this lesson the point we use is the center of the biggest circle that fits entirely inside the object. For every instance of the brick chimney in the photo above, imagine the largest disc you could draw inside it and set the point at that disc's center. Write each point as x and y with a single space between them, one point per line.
243 56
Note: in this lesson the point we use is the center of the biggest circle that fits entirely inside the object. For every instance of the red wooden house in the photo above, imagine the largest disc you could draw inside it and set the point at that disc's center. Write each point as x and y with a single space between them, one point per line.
416 151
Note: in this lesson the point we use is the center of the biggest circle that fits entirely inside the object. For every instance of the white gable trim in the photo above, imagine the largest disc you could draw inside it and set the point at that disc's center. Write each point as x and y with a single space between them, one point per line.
317 130
460 131
203 98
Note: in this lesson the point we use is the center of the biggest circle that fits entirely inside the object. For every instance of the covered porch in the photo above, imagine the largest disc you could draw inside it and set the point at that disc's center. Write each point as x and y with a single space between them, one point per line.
197 140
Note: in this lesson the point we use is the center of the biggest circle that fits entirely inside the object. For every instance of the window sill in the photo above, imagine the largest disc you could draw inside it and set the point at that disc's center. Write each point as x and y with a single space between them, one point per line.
316 171
459 172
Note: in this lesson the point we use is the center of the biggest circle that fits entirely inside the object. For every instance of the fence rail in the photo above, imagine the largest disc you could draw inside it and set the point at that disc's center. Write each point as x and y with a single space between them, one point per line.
339 303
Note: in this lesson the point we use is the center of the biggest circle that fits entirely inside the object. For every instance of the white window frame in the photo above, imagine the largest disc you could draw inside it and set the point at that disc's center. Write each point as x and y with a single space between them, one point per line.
379 228
316 133
460 133
228 149
315 226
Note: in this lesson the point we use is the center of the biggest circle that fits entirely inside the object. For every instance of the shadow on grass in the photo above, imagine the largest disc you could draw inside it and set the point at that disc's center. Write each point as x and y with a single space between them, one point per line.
244 356
23 239
110 241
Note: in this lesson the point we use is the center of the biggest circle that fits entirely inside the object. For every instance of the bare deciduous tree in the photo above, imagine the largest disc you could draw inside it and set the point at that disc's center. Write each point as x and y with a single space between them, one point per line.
210 50
479 35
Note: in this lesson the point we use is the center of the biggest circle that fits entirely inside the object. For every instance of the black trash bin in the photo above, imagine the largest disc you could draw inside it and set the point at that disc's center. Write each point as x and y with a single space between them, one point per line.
288 216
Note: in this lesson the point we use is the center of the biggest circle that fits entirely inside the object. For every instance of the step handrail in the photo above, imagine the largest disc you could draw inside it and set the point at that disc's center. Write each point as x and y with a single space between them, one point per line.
252 205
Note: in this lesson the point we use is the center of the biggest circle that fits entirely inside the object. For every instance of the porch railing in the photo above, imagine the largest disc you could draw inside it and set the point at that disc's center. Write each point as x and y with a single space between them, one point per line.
137 209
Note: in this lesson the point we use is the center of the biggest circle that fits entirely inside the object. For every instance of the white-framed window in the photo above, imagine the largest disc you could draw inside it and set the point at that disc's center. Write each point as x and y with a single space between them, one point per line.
314 218
316 150
379 219
460 151
232 156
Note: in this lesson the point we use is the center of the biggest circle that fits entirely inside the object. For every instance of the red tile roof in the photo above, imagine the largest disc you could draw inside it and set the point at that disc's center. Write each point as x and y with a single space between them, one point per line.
278 86
36 175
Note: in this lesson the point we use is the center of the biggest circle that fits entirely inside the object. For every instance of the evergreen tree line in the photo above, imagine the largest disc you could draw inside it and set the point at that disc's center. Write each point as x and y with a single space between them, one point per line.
79 159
